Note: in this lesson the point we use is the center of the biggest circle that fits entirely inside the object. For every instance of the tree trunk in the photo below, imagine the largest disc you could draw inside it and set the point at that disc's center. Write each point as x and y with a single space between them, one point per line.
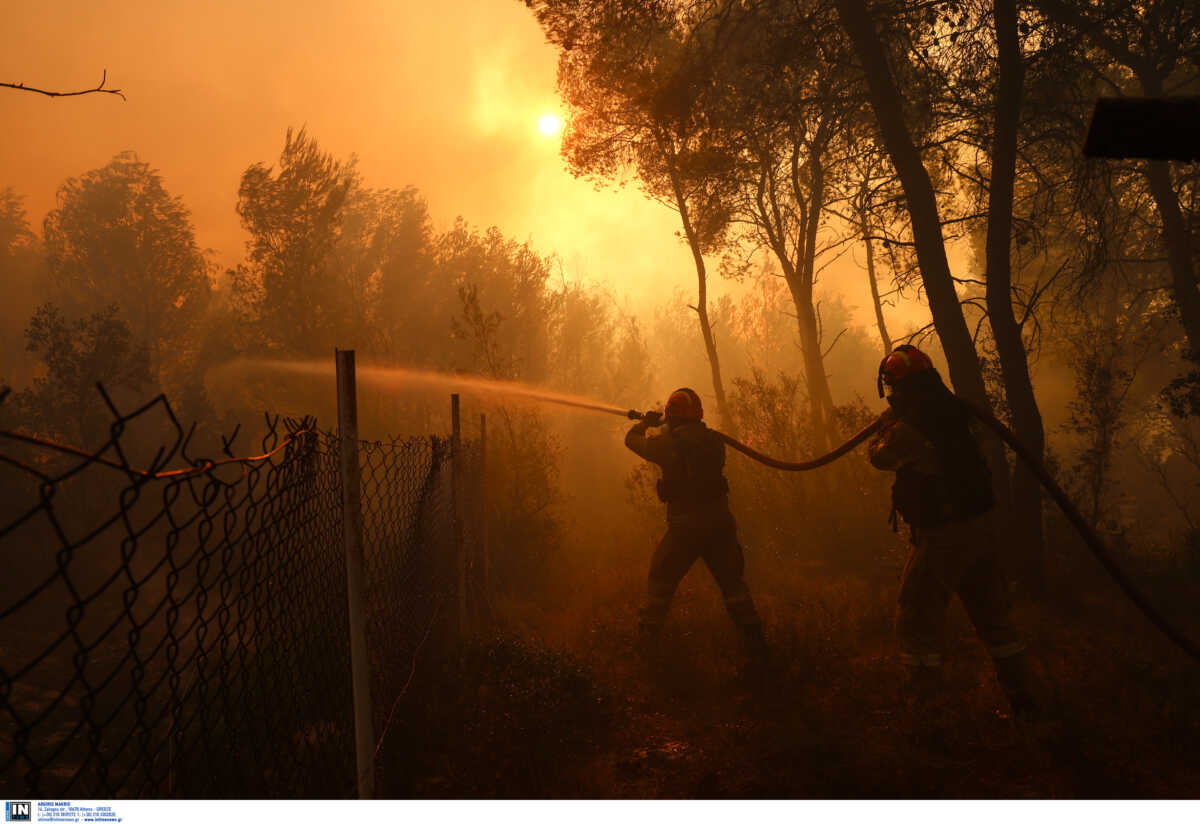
884 338
710 343
922 205
798 273
1175 234
944 305
1175 231
819 400
1177 241
818 382
1014 366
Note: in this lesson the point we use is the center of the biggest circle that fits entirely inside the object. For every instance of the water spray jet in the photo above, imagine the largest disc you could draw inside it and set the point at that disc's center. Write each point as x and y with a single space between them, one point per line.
388 375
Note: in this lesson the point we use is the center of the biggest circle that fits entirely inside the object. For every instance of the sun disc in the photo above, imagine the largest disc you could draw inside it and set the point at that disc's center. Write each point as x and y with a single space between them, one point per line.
550 124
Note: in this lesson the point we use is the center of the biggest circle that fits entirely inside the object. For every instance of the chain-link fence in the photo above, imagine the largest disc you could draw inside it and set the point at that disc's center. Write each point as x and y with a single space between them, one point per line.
179 629
409 555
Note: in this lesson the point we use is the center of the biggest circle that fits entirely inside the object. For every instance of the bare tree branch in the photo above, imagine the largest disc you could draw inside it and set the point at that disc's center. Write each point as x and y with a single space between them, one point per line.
98 90
825 354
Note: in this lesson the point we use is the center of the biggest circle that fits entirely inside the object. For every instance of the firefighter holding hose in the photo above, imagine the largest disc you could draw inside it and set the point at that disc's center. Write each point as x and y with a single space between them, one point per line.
699 522
943 491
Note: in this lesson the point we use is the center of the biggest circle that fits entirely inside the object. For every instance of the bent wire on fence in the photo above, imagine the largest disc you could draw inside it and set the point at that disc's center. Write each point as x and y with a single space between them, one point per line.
206 465
180 445
181 632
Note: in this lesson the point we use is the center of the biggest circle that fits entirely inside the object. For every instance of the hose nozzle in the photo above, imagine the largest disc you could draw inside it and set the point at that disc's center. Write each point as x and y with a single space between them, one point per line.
634 415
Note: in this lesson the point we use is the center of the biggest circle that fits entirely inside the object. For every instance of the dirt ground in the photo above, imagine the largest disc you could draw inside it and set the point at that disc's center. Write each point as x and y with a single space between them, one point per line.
559 706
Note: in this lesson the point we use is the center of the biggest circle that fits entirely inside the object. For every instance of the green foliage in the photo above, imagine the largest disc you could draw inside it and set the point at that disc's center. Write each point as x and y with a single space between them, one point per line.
523 464
493 271
118 237
22 267
14 227
414 300
76 355
1182 395
294 216
333 263
512 325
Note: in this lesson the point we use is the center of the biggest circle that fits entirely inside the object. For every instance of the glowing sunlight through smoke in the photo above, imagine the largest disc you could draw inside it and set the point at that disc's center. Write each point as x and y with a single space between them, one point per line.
550 124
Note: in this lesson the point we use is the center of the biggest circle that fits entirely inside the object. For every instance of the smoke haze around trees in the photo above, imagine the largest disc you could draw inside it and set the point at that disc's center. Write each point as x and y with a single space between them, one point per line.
786 136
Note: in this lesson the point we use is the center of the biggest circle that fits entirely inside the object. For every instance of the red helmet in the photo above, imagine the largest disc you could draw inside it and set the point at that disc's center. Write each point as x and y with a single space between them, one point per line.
903 361
685 404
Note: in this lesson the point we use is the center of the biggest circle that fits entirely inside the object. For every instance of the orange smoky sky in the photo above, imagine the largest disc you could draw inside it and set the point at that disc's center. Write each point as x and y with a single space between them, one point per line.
443 96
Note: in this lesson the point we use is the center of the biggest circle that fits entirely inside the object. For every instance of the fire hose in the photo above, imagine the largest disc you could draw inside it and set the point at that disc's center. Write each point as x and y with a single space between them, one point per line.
1090 538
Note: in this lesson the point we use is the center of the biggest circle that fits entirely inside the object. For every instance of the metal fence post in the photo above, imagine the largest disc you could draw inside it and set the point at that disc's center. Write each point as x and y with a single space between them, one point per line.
352 539
485 556
460 556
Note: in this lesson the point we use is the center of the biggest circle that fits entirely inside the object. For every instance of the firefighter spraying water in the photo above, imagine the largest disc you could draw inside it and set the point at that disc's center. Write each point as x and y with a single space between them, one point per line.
699 522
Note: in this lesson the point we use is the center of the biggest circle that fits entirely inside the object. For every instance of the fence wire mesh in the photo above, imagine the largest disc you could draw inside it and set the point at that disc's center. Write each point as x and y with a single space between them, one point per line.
180 629
409 556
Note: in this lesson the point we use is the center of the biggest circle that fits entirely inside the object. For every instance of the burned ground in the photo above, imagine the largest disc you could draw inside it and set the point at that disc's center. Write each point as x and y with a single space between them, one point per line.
560 706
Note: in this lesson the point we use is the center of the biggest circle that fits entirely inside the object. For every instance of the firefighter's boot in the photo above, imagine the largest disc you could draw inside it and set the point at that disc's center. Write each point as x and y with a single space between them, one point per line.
1013 673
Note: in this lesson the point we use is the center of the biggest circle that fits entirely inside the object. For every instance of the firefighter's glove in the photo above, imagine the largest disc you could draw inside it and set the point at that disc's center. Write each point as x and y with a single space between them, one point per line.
652 418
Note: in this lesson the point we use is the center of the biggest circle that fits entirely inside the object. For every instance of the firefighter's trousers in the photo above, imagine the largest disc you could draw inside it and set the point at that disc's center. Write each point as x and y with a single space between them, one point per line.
958 557
715 541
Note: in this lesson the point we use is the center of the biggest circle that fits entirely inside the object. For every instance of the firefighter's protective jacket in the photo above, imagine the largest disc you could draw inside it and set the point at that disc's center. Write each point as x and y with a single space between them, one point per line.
899 444
941 475
699 524
953 544
692 459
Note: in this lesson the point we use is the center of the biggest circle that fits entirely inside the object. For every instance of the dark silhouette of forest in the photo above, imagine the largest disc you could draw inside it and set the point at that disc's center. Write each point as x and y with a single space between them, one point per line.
937 147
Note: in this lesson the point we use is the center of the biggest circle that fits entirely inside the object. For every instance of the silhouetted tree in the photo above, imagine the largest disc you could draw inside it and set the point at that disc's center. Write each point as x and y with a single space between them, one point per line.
782 118
22 270
101 347
1151 48
414 301
507 281
886 99
631 71
292 293
118 237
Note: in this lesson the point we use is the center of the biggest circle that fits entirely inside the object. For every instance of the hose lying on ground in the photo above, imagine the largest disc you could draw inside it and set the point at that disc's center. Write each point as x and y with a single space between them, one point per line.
1090 538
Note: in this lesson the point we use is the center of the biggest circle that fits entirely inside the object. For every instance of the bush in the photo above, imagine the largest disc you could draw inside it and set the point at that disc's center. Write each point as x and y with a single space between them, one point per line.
504 718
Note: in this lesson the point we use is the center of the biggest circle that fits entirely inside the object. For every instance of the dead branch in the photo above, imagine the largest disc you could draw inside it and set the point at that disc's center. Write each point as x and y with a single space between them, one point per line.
98 90
825 354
